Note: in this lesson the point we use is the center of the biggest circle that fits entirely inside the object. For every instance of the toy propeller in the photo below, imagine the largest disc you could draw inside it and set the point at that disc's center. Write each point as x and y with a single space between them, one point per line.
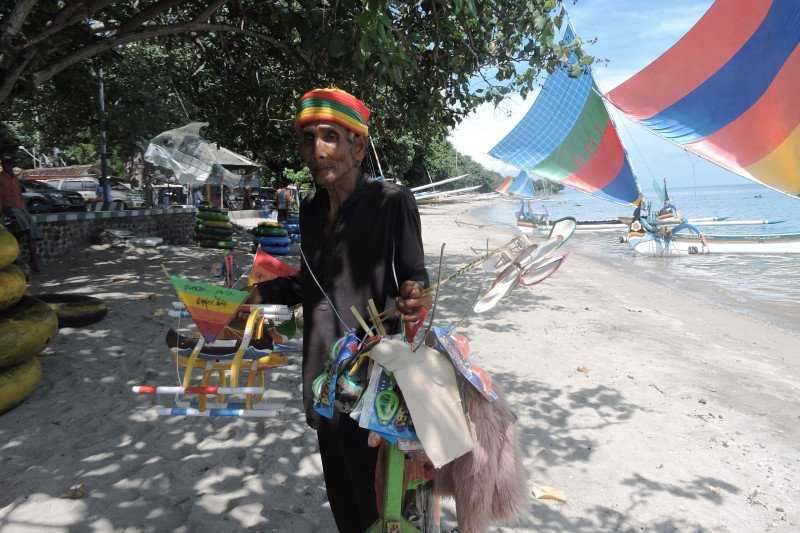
531 266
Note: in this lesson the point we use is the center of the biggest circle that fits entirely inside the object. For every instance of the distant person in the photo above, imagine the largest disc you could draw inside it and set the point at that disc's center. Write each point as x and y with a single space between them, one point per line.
282 200
10 187
294 197
13 206
247 199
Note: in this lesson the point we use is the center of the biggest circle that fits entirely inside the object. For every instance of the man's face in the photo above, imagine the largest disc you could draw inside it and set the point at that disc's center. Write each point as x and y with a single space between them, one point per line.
329 153
8 166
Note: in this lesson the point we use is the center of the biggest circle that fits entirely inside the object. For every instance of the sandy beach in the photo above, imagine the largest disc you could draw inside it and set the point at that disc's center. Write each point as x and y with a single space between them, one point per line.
650 409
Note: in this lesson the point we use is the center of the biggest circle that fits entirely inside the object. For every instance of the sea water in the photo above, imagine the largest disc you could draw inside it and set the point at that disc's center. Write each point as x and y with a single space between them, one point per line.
766 287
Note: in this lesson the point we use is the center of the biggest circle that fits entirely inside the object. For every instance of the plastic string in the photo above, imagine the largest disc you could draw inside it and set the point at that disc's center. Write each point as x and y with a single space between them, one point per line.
319 286
435 300
177 365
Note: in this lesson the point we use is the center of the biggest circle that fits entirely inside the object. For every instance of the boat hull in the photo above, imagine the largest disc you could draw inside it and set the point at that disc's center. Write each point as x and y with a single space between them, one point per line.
582 226
651 245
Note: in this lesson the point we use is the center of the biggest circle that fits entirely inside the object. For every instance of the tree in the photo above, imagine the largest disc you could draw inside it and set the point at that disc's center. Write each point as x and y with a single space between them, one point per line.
40 39
241 65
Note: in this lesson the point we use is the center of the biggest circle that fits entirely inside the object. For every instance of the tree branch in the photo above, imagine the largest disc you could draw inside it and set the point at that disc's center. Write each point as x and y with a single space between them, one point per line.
210 10
72 14
15 20
146 14
11 77
150 32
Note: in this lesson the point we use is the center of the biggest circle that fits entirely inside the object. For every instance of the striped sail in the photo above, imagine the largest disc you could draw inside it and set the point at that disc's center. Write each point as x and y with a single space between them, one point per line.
505 185
522 186
567 136
729 91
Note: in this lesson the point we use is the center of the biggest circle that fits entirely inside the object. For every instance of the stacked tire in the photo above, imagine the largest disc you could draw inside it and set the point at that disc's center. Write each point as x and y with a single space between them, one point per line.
272 237
292 226
27 326
213 228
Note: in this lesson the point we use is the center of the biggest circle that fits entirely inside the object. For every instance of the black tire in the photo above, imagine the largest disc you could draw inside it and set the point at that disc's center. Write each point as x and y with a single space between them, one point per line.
210 233
75 310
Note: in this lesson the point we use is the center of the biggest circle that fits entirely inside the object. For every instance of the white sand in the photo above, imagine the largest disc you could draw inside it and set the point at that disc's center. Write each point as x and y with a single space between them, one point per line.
685 419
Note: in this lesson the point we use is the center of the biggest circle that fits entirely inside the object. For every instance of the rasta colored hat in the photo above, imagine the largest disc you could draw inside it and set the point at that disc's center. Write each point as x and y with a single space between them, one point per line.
333 105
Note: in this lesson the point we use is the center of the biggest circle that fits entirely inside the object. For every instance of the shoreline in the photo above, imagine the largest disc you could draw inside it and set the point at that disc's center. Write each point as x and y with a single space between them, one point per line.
721 295
648 409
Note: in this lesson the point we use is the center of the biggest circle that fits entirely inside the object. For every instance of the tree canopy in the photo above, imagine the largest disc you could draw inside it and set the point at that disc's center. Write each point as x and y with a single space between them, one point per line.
241 65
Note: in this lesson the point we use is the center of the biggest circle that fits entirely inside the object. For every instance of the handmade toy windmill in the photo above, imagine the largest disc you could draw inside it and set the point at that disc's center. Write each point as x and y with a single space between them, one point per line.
235 367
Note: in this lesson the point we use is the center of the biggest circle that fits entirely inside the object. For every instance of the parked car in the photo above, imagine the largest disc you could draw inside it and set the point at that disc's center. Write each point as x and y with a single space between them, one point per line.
122 192
40 197
122 196
167 194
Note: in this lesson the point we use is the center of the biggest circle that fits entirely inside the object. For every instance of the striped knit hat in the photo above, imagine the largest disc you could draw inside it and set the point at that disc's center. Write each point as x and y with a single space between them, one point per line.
333 105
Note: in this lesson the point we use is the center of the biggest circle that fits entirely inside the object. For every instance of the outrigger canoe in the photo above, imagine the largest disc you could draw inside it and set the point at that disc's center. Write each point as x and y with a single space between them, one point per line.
691 244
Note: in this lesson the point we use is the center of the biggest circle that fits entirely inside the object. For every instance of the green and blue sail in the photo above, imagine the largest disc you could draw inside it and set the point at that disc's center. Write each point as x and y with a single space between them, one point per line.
567 137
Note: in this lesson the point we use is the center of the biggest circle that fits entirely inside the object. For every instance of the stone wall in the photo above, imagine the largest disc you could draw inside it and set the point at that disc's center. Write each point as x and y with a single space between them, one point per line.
66 232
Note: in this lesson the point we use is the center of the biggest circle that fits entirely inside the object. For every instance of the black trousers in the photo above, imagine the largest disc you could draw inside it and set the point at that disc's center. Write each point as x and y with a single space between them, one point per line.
349 467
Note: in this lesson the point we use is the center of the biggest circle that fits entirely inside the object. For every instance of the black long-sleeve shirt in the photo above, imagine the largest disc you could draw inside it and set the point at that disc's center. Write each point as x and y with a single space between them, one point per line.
374 245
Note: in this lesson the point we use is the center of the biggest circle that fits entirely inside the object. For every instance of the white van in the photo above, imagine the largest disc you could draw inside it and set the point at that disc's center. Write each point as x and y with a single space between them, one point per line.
122 196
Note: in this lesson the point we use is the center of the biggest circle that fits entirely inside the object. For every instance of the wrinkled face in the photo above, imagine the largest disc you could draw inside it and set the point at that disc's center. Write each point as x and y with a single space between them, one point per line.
331 152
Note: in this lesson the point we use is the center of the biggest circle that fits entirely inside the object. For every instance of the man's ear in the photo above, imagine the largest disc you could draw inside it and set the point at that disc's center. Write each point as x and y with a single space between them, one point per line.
359 147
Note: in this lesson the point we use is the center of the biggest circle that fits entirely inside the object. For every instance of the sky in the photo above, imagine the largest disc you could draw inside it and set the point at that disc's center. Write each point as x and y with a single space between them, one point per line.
630 34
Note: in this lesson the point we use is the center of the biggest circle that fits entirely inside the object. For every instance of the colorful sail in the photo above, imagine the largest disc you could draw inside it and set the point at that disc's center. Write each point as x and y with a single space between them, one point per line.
729 91
568 137
267 267
505 185
522 186
212 307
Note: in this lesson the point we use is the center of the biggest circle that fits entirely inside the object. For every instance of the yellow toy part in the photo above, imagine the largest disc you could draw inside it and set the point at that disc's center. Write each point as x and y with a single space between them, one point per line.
25 330
9 247
19 382
12 286
235 372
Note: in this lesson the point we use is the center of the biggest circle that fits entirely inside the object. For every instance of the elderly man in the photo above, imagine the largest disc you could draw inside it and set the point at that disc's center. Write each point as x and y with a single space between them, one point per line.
361 239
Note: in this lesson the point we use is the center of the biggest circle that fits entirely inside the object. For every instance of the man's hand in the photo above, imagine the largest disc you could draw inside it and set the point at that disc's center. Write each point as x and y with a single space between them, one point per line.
412 300
255 297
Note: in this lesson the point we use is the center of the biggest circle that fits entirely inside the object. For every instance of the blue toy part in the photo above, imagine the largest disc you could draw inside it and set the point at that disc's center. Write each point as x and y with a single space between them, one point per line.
273 241
346 348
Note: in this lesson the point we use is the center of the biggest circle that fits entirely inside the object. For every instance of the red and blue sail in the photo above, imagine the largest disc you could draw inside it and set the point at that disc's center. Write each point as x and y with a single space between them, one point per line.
567 136
729 91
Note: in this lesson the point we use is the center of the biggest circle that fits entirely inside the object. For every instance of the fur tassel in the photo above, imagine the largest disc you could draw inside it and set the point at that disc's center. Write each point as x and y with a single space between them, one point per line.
489 484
